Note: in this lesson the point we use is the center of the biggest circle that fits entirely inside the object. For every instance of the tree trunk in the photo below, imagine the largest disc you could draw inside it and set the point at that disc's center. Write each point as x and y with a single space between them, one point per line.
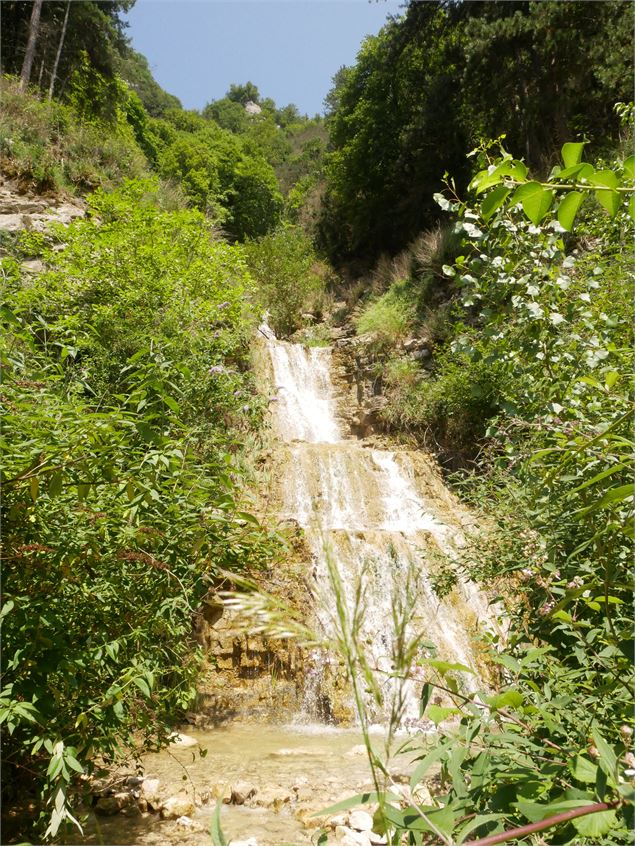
59 51
29 55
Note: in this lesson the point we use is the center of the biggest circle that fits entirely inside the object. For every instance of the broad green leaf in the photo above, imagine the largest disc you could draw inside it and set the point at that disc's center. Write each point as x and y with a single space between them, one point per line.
581 171
572 153
444 667
535 811
629 167
476 823
216 831
608 758
143 686
424 765
631 207
595 825
604 177
535 200
610 200
55 483
441 819
508 699
568 209
583 770
494 201
437 713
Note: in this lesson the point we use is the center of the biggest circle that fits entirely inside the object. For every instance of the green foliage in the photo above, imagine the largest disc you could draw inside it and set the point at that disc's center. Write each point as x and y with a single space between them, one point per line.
125 398
438 80
389 318
46 147
289 279
539 362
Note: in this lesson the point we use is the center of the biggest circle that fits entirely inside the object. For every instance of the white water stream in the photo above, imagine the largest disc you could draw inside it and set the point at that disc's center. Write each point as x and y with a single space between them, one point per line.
374 525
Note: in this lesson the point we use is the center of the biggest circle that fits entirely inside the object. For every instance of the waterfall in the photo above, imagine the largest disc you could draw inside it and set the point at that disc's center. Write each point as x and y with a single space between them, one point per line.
373 523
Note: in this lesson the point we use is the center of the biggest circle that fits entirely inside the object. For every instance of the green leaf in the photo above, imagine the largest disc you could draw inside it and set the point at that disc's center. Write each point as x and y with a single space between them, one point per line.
535 200
437 713
535 811
629 167
426 693
583 770
595 825
604 177
143 685
216 831
424 765
444 667
568 209
55 483
631 207
610 200
34 487
494 201
572 153
608 758
476 823
508 699
354 801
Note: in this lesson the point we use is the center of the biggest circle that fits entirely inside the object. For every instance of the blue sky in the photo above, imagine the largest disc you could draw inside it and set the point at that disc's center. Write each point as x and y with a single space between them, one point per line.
289 48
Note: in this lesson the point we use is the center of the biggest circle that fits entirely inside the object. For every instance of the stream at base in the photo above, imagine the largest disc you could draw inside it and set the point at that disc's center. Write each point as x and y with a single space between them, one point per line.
297 769
374 521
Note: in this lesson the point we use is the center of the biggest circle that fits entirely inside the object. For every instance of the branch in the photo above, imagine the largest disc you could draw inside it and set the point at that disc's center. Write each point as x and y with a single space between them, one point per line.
523 831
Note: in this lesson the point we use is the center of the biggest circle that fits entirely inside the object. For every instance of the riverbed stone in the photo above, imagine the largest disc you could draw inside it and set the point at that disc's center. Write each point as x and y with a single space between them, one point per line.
272 797
360 821
182 740
241 791
346 836
149 790
177 806
109 805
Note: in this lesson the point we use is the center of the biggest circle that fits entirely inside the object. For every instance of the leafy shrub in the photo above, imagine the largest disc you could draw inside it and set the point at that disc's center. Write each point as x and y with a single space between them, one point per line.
46 147
125 398
389 318
289 279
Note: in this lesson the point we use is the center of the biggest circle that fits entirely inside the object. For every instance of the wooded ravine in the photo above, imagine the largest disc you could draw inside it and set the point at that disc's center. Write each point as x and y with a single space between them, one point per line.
317 491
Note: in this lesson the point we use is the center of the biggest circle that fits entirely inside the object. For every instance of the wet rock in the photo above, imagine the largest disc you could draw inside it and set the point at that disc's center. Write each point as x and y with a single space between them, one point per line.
109 805
182 740
134 781
272 797
422 354
360 821
177 806
348 837
241 791
149 790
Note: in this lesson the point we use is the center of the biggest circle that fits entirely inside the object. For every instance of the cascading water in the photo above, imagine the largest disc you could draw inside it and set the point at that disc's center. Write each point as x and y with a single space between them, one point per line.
368 521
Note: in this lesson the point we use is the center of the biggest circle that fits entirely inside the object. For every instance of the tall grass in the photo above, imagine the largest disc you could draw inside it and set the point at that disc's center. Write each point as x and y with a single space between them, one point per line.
45 147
